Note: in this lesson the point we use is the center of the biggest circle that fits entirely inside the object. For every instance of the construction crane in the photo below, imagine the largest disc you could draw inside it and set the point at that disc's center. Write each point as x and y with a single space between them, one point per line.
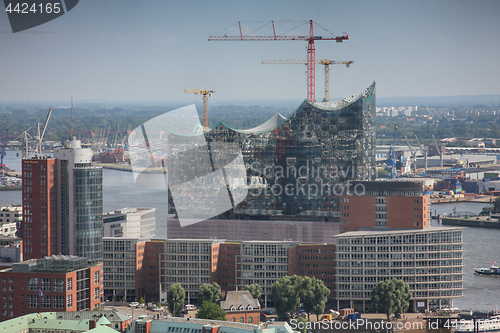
206 94
311 50
324 62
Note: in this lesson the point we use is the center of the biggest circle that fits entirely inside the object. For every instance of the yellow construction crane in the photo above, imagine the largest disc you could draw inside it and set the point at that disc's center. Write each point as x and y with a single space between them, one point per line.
206 94
324 62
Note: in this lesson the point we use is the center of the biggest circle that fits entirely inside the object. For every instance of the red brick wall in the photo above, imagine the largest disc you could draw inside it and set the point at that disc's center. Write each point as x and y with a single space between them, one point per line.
226 275
255 315
40 201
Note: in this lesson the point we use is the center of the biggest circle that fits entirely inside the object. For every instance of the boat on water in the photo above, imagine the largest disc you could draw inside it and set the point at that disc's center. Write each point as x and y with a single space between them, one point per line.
488 325
492 270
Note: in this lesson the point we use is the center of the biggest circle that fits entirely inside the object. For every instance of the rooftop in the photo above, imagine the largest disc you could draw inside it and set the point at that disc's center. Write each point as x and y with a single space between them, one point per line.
377 231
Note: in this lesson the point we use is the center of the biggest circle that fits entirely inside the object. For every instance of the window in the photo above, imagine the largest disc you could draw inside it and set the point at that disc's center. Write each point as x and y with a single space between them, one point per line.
45 285
58 285
33 284
96 277
69 284
70 301
46 301
242 320
250 319
96 293
32 301
59 302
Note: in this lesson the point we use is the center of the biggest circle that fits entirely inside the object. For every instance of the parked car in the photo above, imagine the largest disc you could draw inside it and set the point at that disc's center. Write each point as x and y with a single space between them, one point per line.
133 304
140 305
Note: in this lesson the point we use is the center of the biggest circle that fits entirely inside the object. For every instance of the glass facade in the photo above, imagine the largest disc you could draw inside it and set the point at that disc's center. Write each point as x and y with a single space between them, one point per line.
88 207
296 166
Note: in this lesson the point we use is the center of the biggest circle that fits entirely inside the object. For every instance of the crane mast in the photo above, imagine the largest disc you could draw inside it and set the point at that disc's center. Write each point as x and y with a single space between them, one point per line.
311 49
206 94
324 62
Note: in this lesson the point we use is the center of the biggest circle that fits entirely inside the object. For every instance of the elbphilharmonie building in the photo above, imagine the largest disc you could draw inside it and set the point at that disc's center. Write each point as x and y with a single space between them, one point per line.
292 169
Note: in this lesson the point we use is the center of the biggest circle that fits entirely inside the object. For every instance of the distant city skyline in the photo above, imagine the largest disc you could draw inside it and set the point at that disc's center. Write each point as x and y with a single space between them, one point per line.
153 50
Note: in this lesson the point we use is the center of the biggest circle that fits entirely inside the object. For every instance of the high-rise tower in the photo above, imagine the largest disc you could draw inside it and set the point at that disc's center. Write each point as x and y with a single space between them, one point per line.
39 227
79 188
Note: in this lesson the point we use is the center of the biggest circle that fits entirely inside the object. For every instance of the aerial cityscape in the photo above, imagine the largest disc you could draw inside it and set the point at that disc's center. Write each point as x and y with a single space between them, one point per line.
160 173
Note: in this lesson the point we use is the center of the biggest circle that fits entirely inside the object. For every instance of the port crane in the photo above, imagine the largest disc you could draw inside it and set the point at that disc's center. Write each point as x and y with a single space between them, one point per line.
438 151
391 156
4 146
424 151
311 50
324 62
206 94
41 134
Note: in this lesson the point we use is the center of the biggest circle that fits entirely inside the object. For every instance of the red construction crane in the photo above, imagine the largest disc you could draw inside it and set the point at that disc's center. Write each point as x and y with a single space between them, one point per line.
311 51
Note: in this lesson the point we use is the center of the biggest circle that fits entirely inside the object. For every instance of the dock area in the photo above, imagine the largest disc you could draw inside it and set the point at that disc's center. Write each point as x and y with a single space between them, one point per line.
475 221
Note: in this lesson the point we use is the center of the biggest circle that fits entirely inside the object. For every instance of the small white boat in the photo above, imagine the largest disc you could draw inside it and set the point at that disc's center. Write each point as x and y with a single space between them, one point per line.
489 325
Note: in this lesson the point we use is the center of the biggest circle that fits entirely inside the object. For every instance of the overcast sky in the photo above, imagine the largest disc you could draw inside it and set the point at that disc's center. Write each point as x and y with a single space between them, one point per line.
154 49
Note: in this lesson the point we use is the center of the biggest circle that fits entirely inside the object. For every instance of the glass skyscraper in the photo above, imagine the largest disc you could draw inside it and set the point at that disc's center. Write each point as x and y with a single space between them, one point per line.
80 202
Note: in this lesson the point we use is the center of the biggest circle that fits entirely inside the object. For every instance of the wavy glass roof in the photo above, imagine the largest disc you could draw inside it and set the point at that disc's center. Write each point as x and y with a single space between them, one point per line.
277 120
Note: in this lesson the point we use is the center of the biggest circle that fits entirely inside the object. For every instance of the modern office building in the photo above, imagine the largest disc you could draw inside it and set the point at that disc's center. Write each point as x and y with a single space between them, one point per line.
79 209
190 262
151 269
262 263
123 268
297 166
12 214
130 223
429 260
381 205
56 283
314 260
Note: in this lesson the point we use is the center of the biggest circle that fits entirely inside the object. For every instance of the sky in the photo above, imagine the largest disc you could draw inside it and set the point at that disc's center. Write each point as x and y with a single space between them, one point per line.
154 49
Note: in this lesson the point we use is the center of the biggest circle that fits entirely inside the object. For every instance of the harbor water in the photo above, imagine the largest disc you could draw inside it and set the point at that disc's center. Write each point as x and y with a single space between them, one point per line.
481 246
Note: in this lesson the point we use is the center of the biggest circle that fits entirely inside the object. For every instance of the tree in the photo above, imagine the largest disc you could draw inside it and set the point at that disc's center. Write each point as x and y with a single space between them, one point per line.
141 301
496 206
124 299
255 290
209 292
393 296
285 294
210 310
175 296
314 295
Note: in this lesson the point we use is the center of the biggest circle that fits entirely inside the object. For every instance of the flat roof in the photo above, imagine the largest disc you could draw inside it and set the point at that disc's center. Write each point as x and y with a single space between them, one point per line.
377 232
